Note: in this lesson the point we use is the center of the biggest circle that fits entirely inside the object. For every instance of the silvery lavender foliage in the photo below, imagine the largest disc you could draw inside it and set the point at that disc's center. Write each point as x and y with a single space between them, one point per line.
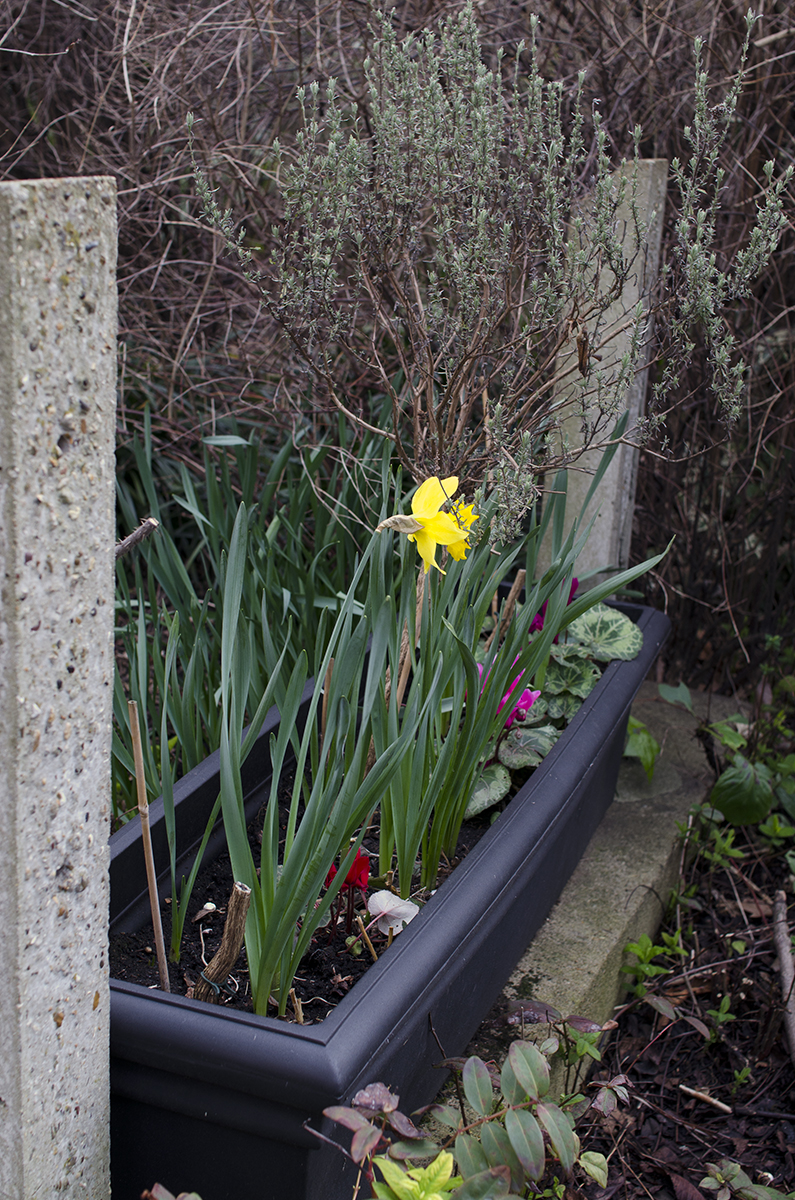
456 225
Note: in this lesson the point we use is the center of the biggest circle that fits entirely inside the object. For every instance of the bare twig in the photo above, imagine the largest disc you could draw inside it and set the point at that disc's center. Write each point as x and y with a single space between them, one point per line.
147 526
783 944
721 1107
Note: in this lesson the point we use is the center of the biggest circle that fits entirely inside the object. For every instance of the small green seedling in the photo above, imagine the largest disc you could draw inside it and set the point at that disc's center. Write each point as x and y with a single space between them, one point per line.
644 968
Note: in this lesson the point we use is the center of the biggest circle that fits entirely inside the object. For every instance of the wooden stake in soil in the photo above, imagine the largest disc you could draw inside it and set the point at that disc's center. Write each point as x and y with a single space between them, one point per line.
146 837
209 986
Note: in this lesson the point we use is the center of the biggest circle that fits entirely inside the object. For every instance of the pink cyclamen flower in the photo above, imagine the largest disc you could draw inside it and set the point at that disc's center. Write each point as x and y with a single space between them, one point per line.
520 708
537 624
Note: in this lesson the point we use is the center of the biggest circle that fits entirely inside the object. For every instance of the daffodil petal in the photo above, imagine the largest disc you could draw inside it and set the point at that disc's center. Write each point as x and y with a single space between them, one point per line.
443 528
426 545
431 495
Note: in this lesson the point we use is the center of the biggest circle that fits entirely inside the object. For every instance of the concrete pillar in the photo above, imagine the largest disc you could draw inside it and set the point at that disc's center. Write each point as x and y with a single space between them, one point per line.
57 411
609 541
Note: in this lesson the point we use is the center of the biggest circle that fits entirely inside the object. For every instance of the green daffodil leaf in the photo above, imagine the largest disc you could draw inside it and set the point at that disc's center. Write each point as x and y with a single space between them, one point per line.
576 676
525 746
606 634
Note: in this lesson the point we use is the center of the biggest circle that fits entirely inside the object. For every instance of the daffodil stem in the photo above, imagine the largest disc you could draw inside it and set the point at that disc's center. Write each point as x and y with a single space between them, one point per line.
405 656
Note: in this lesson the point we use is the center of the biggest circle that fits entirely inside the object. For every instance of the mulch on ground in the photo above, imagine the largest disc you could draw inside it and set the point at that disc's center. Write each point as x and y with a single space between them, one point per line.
699 1099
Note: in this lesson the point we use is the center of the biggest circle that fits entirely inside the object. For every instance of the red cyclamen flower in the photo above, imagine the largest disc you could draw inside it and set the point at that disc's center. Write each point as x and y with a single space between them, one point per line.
358 876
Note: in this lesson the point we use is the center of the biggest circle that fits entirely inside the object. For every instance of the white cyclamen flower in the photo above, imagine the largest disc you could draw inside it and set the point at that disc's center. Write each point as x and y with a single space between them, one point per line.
392 912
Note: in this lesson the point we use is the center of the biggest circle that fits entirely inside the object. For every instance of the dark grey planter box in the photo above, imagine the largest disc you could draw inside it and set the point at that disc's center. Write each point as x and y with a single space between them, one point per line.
214 1101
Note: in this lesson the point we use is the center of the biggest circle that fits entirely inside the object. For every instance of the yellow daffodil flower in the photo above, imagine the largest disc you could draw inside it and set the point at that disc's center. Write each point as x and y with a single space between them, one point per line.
429 527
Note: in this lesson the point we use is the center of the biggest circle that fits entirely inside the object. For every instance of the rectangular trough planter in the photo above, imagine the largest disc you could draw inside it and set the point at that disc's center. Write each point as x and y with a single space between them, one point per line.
212 1100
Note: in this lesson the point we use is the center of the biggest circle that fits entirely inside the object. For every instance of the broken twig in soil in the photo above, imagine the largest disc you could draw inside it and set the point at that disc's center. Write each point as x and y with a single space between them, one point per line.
209 986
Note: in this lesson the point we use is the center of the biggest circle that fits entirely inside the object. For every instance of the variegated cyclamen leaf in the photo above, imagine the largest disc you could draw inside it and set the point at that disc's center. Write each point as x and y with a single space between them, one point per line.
606 634
526 746
578 676
563 706
493 785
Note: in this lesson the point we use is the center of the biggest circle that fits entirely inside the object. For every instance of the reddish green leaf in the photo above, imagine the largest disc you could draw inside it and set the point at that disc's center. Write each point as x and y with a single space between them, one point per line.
348 1117
530 1068
477 1086
500 1152
469 1155
364 1142
490 1184
405 1150
561 1135
662 1006
527 1141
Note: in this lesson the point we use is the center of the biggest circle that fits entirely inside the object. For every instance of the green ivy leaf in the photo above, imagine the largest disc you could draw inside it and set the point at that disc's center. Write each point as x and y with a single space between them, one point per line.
743 793
676 695
606 634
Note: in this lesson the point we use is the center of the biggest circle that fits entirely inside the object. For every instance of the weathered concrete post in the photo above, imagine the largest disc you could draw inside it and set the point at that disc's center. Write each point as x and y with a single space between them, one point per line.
57 406
608 544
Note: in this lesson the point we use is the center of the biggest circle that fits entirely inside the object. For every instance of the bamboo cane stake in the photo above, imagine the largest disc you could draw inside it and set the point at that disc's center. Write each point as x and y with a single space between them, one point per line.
146 835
